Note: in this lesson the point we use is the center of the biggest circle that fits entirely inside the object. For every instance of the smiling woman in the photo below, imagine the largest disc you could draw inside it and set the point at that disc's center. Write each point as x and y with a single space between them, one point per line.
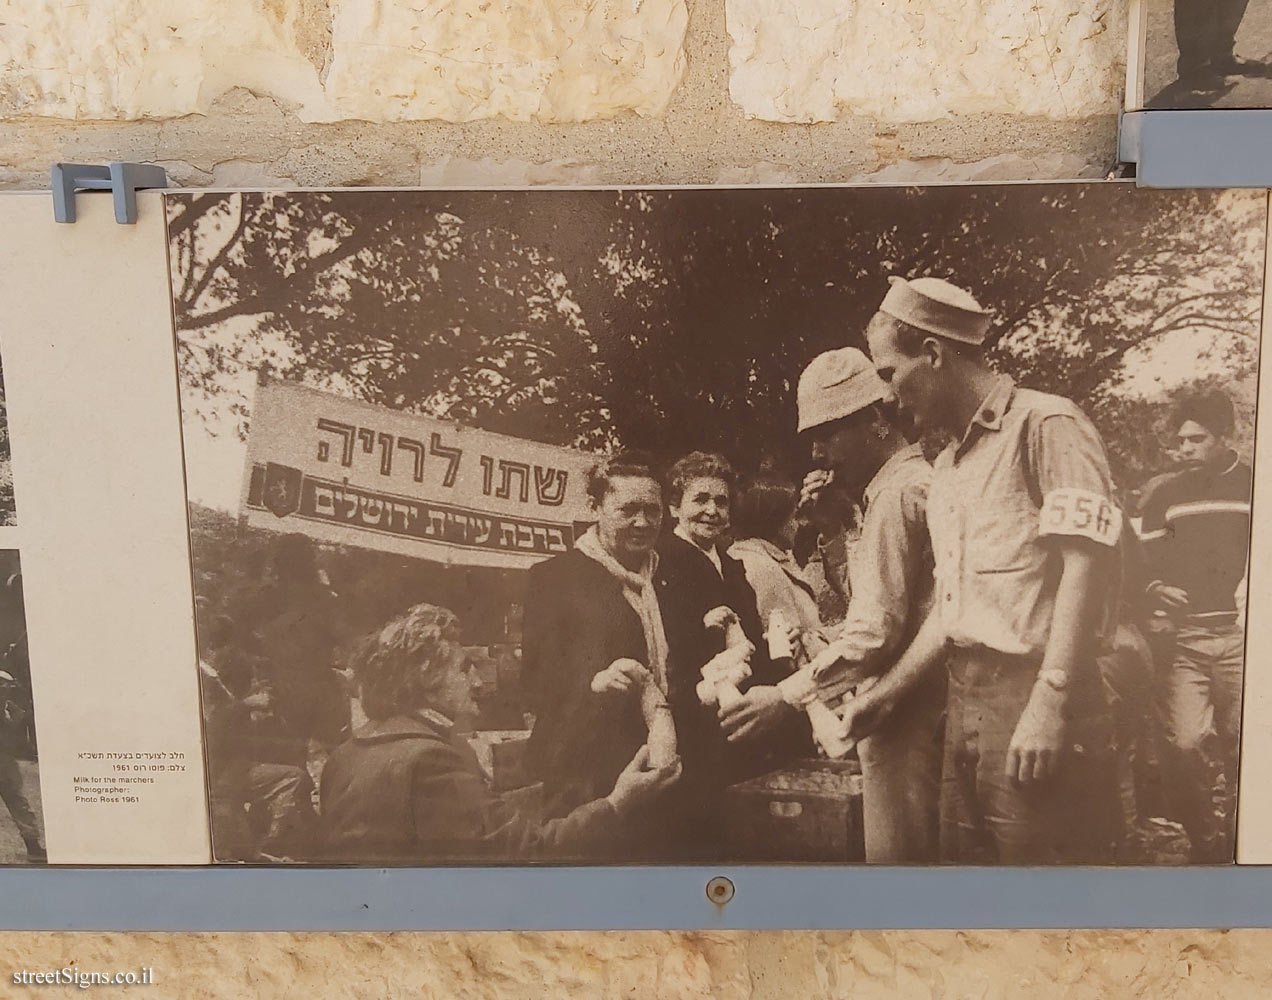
696 579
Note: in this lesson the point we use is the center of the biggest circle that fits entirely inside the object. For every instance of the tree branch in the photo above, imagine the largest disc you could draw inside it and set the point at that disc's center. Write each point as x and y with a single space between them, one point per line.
185 263
1105 363
196 208
260 305
218 261
295 287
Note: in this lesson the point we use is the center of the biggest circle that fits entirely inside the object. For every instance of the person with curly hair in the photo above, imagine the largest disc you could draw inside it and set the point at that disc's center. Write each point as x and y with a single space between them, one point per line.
406 789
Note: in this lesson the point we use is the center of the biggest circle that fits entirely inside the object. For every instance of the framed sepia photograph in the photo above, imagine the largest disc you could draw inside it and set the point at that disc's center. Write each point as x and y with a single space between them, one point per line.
902 525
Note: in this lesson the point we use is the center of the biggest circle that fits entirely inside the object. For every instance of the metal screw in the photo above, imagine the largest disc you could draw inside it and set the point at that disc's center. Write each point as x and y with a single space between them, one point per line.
719 890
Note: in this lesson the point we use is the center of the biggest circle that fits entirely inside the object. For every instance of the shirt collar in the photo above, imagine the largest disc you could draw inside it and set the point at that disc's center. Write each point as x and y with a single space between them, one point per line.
989 414
890 468
436 718
1221 468
713 554
763 546
589 544
423 722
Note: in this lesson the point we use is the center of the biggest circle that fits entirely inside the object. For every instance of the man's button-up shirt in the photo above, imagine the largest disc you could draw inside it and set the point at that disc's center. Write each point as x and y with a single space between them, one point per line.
1029 466
890 569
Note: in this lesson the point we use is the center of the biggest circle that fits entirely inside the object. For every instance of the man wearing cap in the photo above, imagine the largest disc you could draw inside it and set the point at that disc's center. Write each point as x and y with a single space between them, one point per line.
1196 535
844 411
1024 533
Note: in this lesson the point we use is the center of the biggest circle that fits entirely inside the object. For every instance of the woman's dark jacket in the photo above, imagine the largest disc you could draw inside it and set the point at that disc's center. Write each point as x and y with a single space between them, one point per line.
688 587
408 790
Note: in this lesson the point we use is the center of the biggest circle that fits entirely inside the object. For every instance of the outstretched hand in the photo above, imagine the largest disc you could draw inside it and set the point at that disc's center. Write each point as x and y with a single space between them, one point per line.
865 710
811 489
620 676
638 783
760 710
1170 599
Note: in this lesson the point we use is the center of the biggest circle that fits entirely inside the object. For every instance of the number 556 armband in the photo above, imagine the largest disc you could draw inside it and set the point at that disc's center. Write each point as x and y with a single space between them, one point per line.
1073 511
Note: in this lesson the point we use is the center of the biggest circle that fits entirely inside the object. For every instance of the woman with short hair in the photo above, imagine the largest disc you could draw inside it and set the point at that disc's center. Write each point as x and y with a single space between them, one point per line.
405 788
696 577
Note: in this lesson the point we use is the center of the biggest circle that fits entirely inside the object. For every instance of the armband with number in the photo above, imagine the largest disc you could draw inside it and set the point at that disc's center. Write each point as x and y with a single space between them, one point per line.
1080 513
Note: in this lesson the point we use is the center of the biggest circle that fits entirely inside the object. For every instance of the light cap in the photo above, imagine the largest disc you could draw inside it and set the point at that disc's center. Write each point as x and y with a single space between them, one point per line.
837 384
936 306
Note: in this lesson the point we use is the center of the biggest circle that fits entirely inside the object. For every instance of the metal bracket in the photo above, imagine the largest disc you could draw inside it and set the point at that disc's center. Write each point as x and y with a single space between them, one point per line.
1198 148
1128 136
123 180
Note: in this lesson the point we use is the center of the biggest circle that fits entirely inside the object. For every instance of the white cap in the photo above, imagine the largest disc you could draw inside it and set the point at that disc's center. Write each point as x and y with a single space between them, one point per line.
837 384
935 305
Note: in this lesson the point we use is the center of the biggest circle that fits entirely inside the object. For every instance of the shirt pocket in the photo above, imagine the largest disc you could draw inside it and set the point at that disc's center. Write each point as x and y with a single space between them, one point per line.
1002 537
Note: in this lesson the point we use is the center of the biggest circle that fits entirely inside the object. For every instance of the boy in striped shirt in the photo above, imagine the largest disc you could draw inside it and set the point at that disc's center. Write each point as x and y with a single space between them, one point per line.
1196 533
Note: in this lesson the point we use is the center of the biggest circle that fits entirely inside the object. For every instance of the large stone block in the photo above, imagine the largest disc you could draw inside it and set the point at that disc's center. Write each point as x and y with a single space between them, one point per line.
131 59
921 60
545 60
330 60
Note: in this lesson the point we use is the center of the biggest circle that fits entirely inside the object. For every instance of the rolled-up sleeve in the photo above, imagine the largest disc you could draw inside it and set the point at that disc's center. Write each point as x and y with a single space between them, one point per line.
892 578
1076 491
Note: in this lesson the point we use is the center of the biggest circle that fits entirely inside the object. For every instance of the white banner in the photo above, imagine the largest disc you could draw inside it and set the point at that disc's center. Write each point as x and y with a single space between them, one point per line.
356 474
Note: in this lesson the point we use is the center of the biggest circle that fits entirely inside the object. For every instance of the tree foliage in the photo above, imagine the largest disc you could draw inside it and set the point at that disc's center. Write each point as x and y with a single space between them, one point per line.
678 319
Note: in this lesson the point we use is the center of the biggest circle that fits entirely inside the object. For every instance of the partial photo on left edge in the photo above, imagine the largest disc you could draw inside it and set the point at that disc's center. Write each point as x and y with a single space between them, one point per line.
22 819
8 507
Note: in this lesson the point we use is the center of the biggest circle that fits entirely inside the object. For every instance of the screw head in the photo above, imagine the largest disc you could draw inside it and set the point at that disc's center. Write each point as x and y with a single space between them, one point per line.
719 890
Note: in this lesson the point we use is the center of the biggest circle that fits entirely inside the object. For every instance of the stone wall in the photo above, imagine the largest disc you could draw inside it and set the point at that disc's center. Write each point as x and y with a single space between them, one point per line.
1017 965
381 92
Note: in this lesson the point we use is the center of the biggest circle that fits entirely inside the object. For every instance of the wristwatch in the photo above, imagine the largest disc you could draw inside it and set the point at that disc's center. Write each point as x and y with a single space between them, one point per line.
1054 678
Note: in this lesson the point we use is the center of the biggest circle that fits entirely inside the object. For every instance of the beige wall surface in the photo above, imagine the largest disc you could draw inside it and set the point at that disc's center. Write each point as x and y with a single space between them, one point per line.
102 534
472 92
945 965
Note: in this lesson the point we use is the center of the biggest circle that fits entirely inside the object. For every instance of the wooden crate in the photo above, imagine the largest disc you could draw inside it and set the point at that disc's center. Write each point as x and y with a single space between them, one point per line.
808 812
